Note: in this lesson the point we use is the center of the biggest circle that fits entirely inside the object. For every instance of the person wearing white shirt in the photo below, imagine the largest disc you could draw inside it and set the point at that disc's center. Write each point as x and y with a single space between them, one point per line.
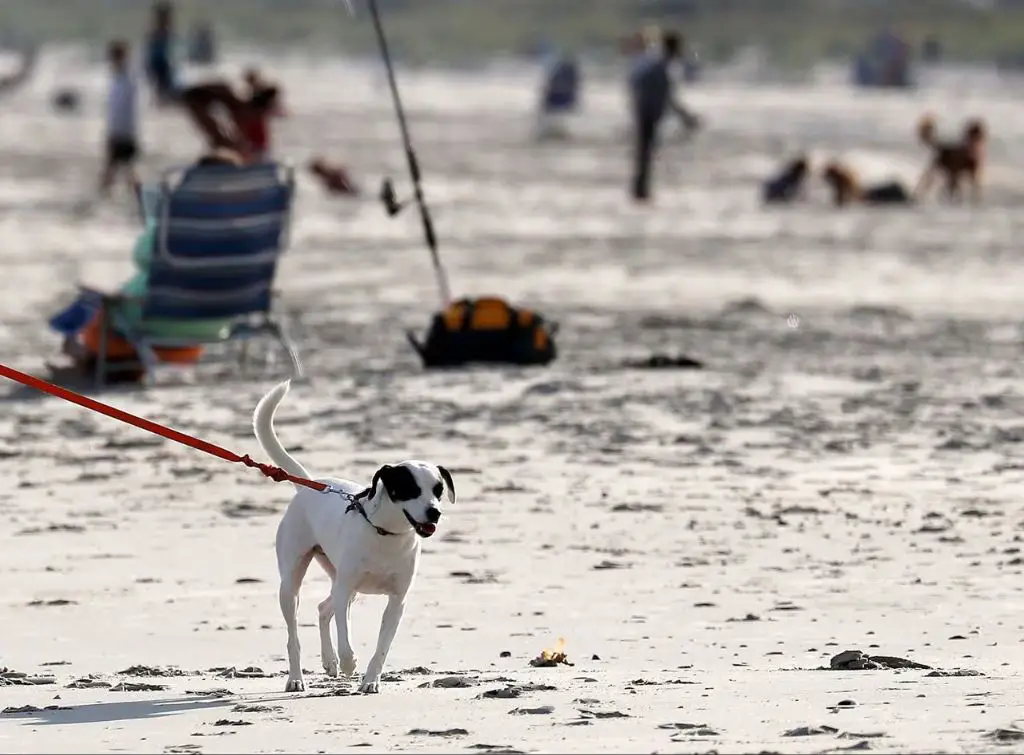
122 147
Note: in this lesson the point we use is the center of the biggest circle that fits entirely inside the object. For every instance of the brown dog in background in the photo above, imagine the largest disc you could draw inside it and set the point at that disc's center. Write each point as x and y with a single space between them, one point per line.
956 161
846 189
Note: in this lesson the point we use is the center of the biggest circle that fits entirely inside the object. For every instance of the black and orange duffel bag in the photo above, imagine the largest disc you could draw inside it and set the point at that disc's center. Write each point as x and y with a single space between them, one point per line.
486 330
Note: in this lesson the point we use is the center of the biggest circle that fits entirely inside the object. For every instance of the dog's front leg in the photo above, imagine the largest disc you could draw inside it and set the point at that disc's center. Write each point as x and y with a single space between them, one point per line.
342 595
388 629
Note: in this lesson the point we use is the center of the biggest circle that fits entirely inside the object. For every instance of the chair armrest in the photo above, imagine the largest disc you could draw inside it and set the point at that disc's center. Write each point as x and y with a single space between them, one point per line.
108 297
85 288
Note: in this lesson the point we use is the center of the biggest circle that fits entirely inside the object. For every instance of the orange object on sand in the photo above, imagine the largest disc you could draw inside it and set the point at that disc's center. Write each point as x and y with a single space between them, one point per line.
119 348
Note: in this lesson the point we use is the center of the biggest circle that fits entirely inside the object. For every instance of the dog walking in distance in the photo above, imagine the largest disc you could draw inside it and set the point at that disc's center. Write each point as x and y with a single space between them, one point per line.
367 539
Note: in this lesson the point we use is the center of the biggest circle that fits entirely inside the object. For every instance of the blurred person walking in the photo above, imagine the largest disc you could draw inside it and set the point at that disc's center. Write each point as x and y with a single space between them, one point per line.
122 145
651 96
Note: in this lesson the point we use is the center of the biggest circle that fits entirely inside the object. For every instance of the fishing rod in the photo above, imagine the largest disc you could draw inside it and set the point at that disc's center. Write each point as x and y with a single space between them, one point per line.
388 197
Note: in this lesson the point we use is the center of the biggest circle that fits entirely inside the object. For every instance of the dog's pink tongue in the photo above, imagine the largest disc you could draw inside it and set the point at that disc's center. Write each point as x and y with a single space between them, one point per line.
428 528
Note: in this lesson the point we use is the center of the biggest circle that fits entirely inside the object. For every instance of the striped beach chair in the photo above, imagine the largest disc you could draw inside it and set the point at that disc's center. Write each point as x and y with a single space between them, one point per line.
220 233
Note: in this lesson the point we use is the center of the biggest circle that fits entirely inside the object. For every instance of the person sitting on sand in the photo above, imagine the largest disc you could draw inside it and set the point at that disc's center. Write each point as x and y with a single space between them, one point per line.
789 184
83 346
846 189
248 127
333 177
264 98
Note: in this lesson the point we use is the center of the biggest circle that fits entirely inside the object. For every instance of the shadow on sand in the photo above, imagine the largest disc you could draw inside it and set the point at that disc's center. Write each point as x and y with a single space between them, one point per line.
131 710
65 378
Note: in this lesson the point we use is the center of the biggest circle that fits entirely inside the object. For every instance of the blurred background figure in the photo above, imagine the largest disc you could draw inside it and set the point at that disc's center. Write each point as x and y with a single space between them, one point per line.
241 122
334 177
160 65
202 44
931 49
789 184
846 189
24 70
651 95
885 63
122 138
560 95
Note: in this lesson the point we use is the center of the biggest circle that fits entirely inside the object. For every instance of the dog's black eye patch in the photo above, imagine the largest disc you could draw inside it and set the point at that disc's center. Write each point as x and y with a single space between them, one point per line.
438 490
399 483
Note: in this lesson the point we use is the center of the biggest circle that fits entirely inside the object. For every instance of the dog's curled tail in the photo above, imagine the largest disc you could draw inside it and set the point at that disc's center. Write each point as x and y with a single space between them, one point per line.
263 426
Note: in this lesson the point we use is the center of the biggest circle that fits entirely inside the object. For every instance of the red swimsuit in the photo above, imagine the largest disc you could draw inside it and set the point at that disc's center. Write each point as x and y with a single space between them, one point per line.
256 132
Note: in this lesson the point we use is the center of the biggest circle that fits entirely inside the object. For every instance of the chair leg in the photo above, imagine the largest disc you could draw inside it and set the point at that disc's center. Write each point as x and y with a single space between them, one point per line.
101 358
243 356
148 357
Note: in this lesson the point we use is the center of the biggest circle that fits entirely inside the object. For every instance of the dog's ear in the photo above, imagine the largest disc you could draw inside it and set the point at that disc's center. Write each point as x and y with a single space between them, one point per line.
449 485
398 482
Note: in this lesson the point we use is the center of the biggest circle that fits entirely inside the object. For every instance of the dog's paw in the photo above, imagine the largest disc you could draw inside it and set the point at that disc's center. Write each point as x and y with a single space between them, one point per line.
370 686
348 664
295 685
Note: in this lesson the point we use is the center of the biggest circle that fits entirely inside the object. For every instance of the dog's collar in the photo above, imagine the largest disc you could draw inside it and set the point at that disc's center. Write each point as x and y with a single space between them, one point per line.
358 506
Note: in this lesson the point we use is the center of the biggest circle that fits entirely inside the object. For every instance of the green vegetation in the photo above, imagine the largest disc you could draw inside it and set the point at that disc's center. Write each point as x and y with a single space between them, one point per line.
794 32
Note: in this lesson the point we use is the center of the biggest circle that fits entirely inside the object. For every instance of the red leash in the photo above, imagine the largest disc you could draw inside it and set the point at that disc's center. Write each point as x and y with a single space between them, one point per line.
274 473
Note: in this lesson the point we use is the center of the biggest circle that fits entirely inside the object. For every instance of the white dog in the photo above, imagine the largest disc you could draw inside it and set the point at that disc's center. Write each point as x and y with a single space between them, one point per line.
365 538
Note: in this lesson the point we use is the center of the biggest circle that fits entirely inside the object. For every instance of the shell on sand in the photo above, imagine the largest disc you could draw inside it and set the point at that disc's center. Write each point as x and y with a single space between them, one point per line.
845 475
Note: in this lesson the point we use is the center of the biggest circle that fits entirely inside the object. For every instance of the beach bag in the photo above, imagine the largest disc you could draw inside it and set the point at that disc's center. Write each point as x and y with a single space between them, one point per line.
486 330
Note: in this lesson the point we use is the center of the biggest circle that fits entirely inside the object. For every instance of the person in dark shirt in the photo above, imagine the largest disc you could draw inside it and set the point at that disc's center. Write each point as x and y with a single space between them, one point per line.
650 85
160 52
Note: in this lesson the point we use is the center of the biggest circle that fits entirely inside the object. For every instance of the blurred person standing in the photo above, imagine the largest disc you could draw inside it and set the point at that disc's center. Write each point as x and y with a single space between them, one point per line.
651 96
160 66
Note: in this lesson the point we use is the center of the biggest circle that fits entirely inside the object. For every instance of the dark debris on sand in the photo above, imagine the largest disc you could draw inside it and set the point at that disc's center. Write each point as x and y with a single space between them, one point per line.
450 682
810 731
511 691
1007 734
256 708
664 361
855 660
11 678
137 687
215 693
151 671
249 672
15 710
438 733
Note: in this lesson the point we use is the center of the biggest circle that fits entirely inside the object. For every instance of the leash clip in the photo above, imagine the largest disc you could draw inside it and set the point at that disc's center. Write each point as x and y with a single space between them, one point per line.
337 491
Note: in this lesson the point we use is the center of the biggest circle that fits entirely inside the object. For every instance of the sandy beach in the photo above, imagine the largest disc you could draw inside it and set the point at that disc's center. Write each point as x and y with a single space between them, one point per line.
845 475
